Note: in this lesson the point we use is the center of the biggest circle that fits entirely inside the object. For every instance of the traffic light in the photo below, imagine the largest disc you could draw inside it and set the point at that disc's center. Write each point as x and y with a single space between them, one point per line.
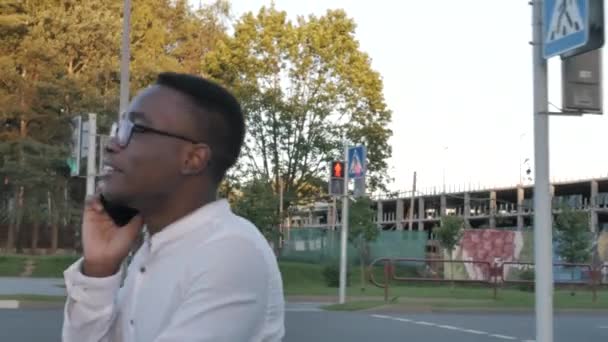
336 178
76 145
337 169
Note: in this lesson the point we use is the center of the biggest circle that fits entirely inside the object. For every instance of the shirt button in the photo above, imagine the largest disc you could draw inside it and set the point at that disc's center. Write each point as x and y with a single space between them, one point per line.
142 269
131 322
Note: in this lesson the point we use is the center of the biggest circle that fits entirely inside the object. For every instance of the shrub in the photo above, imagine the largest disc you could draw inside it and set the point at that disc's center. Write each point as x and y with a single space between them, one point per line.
331 275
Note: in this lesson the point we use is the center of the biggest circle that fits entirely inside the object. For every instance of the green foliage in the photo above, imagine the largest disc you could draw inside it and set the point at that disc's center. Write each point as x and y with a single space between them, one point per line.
331 275
527 274
449 232
303 84
572 235
61 58
361 228
259 204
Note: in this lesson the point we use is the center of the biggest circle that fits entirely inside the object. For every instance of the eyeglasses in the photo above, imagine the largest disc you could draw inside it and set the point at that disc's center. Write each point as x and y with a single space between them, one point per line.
123 130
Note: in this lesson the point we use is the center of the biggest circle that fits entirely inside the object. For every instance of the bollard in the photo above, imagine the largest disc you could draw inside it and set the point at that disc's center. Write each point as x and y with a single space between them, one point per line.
387 270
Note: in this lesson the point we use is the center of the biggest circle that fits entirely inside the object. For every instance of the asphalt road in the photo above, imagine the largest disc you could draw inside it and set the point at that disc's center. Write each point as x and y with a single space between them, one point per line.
305 323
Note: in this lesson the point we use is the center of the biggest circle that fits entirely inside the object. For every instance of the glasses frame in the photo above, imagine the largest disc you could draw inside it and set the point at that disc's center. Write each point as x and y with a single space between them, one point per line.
123 131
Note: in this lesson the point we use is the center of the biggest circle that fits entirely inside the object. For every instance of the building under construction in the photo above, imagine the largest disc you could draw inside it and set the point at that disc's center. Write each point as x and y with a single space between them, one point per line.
506 207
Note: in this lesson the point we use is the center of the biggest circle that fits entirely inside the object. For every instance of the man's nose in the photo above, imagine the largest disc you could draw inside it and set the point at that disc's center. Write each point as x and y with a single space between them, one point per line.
112 146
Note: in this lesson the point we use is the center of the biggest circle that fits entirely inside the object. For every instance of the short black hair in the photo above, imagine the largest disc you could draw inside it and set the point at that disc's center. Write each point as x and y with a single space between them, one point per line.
222 124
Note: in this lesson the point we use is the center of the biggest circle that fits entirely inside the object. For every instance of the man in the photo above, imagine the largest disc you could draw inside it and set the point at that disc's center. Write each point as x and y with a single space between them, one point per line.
202 273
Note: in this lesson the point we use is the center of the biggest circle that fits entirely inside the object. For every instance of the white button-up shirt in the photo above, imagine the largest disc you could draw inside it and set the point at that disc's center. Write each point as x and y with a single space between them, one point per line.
210 276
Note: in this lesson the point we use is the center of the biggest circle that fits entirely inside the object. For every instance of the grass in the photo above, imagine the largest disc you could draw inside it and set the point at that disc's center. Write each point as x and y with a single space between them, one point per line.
46 266
306 280
33 298
11 265
52 266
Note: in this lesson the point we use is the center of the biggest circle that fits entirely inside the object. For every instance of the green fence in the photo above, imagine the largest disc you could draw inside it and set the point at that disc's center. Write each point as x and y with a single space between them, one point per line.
318 245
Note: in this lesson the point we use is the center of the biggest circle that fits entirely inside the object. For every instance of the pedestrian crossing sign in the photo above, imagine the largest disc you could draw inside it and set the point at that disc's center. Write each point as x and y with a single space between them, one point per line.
357 162
565 26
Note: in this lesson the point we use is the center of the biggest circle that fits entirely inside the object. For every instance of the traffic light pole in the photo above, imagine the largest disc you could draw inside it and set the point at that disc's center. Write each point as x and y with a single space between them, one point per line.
344 233
125 56
543 263
91 169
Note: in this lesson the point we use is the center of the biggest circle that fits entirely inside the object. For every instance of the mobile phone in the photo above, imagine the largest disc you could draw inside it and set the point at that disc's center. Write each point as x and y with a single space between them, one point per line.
120 214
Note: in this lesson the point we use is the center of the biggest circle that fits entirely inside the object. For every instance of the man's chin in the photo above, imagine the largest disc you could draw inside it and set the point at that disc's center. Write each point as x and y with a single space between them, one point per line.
114 196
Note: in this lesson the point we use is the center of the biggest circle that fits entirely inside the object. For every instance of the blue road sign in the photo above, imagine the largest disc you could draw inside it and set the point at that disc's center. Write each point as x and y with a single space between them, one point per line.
565 26
357 162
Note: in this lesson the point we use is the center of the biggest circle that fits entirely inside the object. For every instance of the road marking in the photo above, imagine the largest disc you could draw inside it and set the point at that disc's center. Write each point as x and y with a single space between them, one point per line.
449 327
429 324
402 319
503 337
9 304
603 327
477 332
382 316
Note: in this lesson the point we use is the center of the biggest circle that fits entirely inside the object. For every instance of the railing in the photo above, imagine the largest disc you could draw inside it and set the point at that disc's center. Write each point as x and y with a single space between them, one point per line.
490 274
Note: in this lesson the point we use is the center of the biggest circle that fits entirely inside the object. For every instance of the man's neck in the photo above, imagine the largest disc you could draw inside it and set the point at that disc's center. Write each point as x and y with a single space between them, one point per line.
161 215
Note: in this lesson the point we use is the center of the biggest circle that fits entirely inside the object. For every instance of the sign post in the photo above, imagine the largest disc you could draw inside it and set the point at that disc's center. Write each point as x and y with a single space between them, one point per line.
344 233
559 27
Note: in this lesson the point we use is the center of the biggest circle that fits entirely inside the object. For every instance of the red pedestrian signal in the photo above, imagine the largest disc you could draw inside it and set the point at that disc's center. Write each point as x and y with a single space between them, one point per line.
337 169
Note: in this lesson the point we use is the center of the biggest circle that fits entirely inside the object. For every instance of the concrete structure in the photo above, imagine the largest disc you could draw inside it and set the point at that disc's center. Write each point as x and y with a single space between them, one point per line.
480 207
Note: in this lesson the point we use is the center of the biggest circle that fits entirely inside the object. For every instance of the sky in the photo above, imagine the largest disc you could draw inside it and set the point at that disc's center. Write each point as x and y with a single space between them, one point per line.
458 78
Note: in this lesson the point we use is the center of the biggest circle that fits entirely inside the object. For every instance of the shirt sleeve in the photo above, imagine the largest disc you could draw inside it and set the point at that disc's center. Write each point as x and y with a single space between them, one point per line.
228 296
90 307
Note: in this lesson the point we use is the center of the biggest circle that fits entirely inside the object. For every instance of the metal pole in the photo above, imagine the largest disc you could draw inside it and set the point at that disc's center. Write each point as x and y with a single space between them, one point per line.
344 235
542 197
91 156
445 148
520 163
412 203
125 56
280 242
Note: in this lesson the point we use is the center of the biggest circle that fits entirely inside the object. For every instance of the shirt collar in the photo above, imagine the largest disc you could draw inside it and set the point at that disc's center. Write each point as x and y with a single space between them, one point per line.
185 225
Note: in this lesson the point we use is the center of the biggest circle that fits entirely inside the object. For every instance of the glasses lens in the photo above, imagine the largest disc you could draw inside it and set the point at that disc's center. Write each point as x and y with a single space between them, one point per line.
114 130
124 132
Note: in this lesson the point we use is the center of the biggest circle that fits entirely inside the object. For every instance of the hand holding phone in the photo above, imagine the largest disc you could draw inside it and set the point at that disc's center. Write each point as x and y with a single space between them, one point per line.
106 243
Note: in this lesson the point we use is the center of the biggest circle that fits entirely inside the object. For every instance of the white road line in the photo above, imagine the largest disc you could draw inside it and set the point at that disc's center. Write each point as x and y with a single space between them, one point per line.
503 337
603 327
477 332
402 319
449 327
429 324
9 304
382 316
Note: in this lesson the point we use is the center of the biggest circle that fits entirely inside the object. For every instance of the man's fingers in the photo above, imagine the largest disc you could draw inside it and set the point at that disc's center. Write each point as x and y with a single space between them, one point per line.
93 202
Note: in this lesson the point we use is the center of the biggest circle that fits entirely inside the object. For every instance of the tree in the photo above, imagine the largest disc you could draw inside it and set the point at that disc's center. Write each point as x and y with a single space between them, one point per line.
59 59
362 230
572 236
258 203
303 85
448 234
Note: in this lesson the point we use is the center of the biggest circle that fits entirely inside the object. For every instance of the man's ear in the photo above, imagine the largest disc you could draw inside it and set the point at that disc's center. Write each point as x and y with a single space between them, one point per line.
197 159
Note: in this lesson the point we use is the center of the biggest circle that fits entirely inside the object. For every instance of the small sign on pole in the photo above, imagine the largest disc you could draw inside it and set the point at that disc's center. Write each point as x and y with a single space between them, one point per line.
582 83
